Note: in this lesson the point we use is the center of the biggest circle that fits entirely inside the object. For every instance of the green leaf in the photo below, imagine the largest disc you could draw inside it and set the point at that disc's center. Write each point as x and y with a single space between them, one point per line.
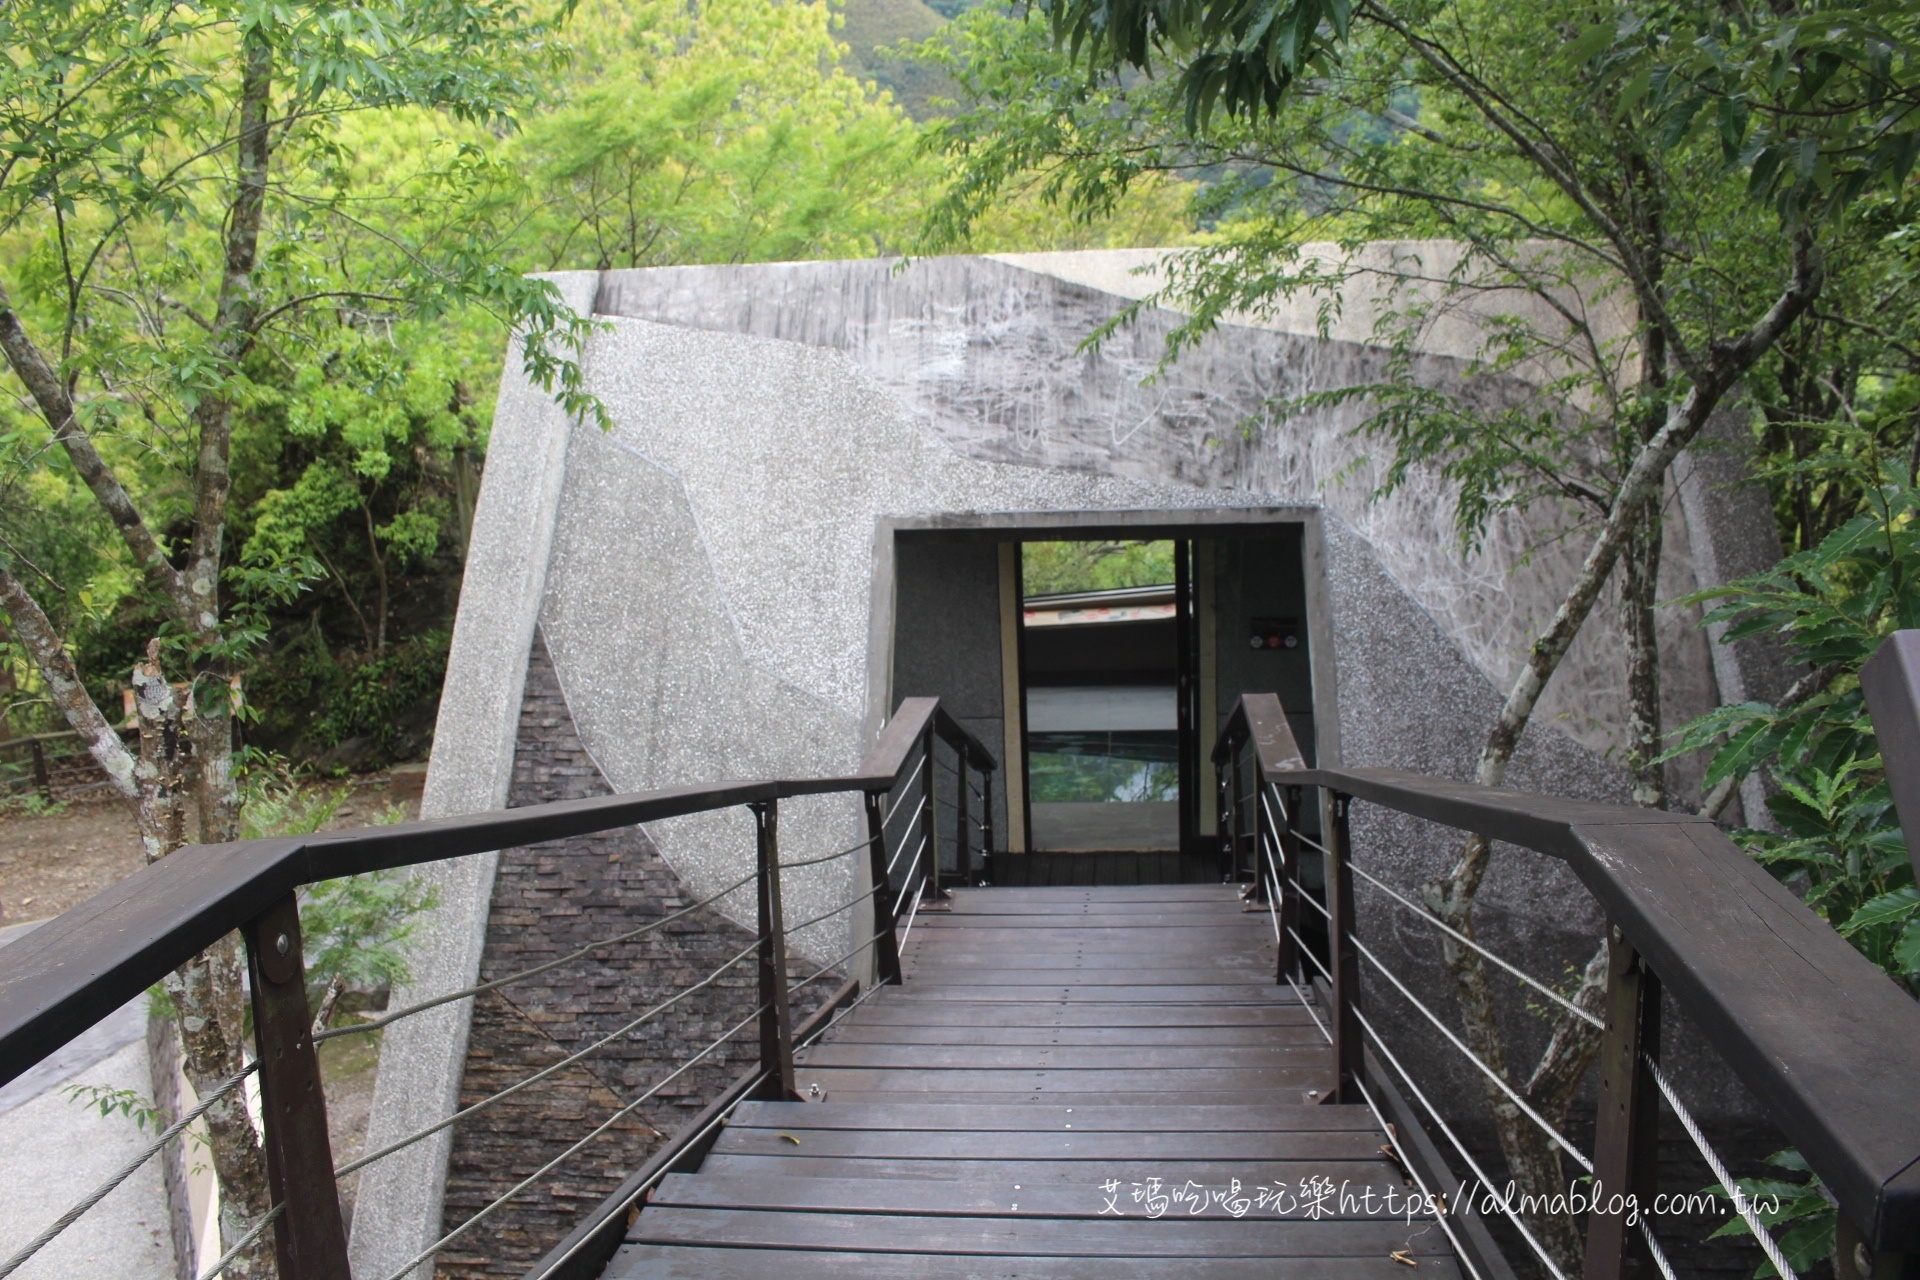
1888 908
1906 952
1588 44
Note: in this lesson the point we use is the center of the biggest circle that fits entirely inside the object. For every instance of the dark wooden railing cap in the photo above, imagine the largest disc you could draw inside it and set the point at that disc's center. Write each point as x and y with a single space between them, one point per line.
1826 1041
77 968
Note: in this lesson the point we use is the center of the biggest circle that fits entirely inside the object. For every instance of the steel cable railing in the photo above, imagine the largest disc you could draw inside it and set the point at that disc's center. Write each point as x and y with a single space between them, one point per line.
502 1200
789 928
746 1085
478 989
1513 1095
903 788
239 1246
896 779
1741 1205
1446 1130
1657 1253
1437 1200
126 1171
1427 917
625 1030
1744 1207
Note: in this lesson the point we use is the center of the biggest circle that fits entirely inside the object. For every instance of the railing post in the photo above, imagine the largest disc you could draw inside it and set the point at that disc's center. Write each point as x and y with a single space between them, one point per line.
41 777
1239 802
1348 1067
1626 1134
962 853
988 849
1224 806
309 1239
1265 836
776 1019
1288 964
886 941
930 877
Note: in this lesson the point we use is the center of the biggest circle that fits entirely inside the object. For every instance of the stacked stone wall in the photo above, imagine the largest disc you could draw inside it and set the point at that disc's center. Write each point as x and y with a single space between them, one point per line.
549 900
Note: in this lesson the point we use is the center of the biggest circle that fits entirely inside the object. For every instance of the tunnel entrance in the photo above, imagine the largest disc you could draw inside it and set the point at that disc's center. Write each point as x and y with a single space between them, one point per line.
1099 662
1102 669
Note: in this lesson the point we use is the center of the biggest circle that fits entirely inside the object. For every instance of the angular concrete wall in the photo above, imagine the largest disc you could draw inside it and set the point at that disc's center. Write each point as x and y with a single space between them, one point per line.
704 578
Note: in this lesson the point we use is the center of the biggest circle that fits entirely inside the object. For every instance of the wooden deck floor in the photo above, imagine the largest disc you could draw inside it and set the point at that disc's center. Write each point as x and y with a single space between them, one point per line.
1073 1083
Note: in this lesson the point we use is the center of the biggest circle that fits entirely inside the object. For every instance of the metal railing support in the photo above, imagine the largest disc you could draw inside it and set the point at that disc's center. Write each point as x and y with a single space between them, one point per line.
988 850
886 941
310 1240
930 890
1233 785
776 1018
1626 1134
1287 964
1263 831
1348 1061
962 853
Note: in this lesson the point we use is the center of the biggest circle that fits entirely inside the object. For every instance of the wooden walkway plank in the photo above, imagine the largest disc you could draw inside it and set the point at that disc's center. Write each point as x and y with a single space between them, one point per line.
1072 1084
1242 1117
1015 1195
1301 1033
1063 1144
678 1262
1108 1237
1020 1172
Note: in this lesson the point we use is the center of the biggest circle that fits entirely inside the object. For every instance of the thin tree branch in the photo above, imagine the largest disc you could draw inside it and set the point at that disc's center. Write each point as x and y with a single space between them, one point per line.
51 397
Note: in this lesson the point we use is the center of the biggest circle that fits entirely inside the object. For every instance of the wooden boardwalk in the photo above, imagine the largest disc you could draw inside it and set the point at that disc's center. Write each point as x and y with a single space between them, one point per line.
1073 1083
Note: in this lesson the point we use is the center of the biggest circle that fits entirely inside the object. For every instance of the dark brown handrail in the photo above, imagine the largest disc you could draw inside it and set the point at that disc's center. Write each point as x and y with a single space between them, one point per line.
1826 1041
80 966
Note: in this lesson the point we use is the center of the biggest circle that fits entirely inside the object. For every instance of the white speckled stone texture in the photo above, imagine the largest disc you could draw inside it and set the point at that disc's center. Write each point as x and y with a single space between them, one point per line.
704 574
708 605
989 354
397 1212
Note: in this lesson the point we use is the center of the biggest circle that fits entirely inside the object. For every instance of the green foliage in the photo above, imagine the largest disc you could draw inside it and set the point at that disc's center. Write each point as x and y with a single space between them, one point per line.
1814 102
1800 1206
117 200
1609 238
367 696
1833 605
726 133
359 929
1056 776
108 1101
1053 568
356 929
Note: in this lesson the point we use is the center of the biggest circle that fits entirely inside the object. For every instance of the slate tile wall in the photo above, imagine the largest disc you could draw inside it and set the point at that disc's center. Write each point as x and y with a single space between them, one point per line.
548 900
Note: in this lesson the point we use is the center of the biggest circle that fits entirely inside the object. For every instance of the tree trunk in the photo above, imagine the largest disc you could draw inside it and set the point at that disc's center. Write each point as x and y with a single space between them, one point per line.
208 991
1531 1159
64 689
1638 597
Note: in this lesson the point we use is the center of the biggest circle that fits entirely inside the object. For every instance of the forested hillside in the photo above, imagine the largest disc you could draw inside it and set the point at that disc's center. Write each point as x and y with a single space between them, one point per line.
630 133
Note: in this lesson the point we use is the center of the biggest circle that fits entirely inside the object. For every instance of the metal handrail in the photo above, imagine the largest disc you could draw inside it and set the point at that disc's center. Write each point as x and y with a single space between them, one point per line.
1821 1036
82 965
88 962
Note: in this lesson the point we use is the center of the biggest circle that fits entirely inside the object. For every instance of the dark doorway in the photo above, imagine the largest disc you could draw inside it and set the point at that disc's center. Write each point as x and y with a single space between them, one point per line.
1101 663
1103 743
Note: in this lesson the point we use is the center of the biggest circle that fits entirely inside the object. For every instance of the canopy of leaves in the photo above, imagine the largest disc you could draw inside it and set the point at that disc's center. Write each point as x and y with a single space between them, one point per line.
1833 604
1051 568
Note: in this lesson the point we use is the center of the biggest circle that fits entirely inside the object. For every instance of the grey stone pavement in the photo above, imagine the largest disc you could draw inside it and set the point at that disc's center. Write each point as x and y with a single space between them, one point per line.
54 1150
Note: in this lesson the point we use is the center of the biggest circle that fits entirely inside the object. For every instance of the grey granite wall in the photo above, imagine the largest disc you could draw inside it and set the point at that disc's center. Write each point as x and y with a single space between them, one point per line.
705 581
946 643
